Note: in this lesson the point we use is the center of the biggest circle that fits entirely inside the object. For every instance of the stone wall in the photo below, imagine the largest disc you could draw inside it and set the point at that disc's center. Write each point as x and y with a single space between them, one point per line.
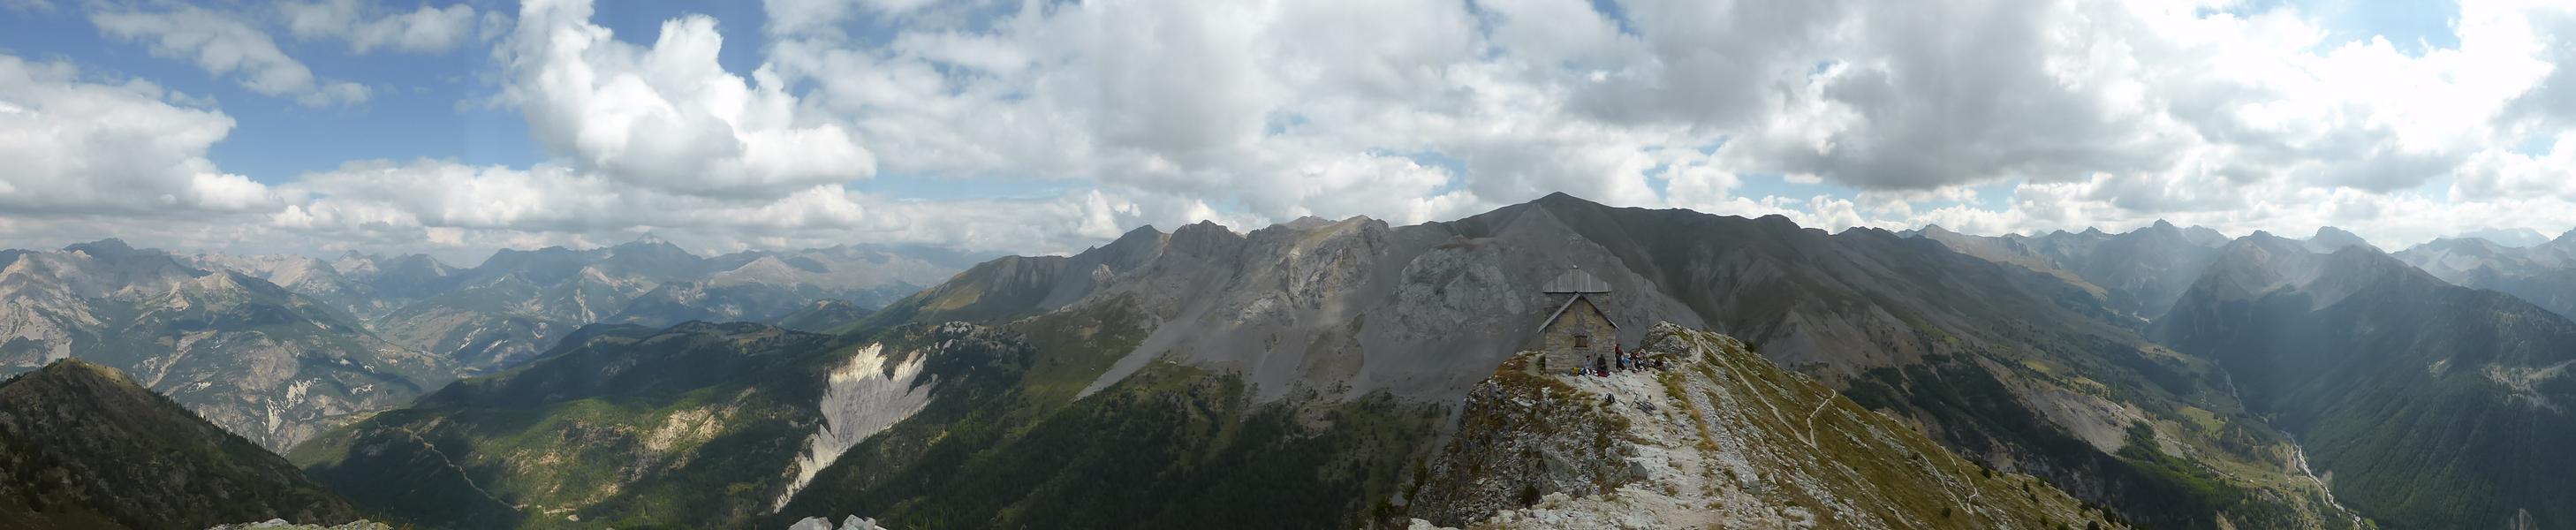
1582 319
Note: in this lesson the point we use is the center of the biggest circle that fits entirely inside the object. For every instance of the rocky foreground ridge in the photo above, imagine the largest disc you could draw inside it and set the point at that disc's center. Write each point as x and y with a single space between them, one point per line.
1717 438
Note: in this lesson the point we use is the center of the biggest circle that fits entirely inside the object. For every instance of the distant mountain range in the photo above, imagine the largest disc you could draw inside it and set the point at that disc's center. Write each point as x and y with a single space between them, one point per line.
515 303
278 348
2428 405
2426 399
264 362
2542 273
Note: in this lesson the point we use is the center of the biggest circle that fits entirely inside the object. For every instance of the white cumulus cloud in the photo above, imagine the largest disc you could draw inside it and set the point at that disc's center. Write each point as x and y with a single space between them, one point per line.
75 146
227 47
668 116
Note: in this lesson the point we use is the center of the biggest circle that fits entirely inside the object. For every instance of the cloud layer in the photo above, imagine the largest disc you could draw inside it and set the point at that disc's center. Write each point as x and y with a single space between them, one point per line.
1046 126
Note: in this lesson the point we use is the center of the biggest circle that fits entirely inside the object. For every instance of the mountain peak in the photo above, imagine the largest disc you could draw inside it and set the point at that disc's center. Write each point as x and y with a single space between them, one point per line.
653 244
1307 223
1562 199
2330 239
1142 237
2163 225
74 367
2205 236
102 248
1205 238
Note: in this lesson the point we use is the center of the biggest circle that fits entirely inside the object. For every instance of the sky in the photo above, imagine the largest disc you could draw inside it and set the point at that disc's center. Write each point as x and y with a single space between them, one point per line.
456 128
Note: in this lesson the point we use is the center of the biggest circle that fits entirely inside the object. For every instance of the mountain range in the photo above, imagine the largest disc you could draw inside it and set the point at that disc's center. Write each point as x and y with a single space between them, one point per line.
1170 366
1353 373
2543 273
2426 404
278 348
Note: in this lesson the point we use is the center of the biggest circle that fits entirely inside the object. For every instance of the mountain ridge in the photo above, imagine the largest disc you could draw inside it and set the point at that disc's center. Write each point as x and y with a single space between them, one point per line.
83 445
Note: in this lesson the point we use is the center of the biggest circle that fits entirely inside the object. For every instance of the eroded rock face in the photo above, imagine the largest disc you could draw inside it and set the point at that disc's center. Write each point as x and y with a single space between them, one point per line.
866 395
1717 438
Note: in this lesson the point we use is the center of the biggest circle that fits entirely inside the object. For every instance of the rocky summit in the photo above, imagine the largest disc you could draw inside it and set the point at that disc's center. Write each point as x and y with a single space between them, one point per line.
1705 434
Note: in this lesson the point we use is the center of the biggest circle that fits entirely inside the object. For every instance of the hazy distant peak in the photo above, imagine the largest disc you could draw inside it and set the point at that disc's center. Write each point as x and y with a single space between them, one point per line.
2511 237
104 248
2331 239
2163 225
2204 236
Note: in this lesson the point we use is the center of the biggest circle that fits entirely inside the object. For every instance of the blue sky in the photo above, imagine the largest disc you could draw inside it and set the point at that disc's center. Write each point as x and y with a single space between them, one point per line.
424 105
1048 126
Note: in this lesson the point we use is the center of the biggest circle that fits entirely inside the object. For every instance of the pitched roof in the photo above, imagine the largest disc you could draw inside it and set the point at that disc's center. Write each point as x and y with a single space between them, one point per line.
1569 304
1576 281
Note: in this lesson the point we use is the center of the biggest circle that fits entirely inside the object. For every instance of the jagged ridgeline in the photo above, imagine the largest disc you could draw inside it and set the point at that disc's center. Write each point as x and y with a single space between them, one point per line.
83 446
2022 369
1300 376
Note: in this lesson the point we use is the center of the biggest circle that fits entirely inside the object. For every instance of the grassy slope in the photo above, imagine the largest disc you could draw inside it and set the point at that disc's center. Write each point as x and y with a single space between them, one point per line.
690 427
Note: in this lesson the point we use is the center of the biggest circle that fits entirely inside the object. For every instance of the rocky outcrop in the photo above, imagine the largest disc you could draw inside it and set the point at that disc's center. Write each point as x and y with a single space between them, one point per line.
852 523
867 394
1717 438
